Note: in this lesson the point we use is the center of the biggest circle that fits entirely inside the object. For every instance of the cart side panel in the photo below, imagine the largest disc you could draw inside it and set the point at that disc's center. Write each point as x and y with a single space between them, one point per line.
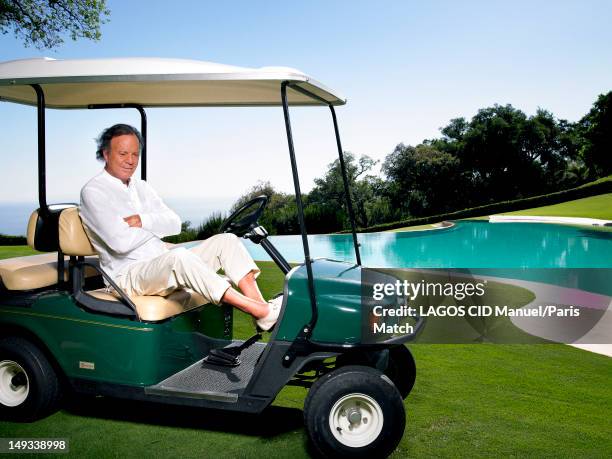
110 349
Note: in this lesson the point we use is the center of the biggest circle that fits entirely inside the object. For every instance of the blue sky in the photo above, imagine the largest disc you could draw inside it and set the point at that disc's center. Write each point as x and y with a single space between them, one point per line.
407 68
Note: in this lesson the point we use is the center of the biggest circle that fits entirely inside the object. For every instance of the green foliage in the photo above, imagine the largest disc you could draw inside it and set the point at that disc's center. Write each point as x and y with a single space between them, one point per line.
206 229
43 23
210 226
596 131
280 215
325 206
370 204
259 189
12 240
421 179
323 218
503 154
329 191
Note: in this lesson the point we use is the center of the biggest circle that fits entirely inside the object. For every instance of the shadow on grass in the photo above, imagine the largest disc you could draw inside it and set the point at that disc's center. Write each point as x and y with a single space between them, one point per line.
273 421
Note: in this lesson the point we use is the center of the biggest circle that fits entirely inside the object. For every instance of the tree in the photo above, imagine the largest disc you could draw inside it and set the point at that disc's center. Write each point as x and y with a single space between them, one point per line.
493 151
452 137
422 180
328 191
42 23
260 188
570 140
596 131
504 154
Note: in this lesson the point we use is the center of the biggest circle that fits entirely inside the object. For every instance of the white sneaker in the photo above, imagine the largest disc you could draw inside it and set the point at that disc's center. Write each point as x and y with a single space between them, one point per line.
267 322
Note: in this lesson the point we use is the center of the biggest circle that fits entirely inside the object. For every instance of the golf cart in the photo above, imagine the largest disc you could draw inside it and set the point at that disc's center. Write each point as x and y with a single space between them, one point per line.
62 330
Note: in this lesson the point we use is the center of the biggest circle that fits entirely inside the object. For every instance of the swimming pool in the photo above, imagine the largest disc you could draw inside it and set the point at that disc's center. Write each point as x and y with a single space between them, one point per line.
469 244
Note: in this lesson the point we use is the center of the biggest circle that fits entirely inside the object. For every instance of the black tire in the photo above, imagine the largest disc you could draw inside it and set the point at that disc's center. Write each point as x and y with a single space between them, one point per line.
372 394
29 386
401 369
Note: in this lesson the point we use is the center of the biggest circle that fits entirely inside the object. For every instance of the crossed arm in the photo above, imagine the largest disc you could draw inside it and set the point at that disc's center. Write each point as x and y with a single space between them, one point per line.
133 221
123 234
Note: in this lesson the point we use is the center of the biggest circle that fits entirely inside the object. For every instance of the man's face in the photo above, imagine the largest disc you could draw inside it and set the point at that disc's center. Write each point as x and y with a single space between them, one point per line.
122 157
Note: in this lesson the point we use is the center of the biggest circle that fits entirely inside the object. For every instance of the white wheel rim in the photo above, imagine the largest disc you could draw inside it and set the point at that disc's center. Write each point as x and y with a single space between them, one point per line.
356 420
11 394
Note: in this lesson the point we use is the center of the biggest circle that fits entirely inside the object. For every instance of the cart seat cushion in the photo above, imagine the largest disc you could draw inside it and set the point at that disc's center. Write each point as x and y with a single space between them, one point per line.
154 308
35 271
72 237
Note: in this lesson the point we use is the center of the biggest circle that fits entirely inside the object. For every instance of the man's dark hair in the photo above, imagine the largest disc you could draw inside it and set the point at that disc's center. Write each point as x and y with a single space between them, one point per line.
115 131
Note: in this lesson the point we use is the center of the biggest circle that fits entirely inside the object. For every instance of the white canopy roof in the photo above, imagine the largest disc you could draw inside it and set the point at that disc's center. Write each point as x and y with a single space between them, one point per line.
154 82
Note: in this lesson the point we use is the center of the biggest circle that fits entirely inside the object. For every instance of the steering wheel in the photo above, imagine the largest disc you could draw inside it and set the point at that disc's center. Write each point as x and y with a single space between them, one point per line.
244 218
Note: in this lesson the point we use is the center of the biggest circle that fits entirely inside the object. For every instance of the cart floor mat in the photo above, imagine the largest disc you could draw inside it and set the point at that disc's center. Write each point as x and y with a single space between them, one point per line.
213 382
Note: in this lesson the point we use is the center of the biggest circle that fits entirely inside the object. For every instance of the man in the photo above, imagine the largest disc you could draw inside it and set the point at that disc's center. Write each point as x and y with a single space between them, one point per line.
126 220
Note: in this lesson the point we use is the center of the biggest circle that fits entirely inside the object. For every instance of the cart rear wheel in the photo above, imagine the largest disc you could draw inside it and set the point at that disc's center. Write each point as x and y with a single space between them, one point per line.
354 411
29 387
401 369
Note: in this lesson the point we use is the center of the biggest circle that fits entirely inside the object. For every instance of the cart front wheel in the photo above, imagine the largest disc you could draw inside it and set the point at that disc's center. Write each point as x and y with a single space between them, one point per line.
29 387
354 411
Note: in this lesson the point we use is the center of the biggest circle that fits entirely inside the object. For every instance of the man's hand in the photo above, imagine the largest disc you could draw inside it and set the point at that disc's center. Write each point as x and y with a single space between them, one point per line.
133 221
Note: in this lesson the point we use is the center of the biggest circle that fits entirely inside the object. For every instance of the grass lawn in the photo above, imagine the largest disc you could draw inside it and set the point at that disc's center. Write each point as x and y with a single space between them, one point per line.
468 401
10 251
592 207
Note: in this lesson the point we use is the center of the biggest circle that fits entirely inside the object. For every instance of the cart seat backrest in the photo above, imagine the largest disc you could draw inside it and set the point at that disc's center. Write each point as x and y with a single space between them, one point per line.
40 271
42 232
73 239
31 231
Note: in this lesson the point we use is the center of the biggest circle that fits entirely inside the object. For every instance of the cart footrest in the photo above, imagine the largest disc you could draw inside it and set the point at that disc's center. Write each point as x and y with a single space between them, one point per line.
214 382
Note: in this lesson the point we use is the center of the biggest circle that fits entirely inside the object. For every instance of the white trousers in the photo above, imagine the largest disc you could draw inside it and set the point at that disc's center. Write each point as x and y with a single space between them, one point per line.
195 268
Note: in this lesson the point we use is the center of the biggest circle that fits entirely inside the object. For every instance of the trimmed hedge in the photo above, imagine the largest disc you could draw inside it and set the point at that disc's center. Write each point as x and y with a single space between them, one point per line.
601 186
12 240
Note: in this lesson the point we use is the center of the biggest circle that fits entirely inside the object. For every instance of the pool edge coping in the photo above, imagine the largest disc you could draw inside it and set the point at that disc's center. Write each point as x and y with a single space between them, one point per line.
549 219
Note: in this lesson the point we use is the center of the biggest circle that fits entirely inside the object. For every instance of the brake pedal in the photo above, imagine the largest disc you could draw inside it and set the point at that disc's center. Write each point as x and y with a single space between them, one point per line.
228 356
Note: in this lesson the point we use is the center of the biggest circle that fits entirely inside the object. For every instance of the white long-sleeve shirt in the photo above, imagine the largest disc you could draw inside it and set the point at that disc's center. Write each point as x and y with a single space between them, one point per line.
105 202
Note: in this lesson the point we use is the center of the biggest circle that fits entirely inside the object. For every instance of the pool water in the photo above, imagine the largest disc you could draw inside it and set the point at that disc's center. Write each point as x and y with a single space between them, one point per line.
469 244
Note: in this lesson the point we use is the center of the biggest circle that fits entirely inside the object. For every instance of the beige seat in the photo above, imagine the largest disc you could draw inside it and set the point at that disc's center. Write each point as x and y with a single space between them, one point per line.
28 273
74 241
156 308
34 271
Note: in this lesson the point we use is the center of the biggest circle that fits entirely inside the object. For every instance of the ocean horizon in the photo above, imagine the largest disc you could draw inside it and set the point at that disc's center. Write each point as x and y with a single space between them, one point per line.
14 215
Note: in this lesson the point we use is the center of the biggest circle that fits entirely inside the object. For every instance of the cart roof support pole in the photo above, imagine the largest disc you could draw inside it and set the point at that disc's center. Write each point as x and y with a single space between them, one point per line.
300 209
143 131
347 190
42 170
